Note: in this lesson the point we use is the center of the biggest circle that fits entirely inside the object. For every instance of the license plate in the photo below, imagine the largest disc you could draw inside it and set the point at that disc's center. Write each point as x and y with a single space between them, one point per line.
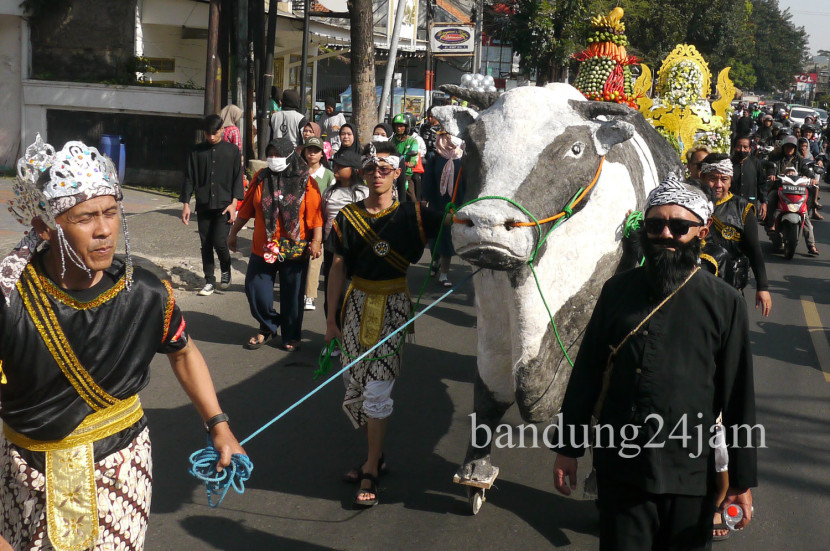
793 190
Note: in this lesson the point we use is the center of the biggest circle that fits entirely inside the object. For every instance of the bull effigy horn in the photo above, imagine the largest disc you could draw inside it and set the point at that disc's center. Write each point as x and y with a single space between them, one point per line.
594 109
482 100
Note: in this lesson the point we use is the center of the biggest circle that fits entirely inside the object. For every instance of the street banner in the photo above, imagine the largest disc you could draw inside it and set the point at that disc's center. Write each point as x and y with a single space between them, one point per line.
452 39
806 78
409 25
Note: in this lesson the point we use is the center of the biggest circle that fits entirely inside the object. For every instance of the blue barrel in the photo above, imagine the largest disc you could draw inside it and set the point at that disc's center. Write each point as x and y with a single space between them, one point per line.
112 145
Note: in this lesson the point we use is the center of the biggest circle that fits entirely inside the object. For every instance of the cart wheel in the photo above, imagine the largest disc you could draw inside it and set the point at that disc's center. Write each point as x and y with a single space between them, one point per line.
476 499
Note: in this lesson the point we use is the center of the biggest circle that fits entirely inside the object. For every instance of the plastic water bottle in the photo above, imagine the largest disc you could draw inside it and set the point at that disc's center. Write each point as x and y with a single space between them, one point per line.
732 515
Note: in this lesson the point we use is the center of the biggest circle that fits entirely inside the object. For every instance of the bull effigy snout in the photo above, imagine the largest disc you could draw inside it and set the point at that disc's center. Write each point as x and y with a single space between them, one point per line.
487 235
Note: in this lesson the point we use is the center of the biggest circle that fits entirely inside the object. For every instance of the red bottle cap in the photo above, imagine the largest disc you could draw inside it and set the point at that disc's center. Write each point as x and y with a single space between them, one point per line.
733 510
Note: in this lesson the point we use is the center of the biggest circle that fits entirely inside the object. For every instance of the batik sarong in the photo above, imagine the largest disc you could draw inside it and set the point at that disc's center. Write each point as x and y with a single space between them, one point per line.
371 313
123 482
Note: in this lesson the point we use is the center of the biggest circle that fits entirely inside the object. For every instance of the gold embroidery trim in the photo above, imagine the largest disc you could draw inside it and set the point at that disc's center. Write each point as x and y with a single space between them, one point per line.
727 232
380 287
96 426
2 374
50 331
71 495
371 319
367 214
168 309
725 199
368 234
711 260
749 206
61 296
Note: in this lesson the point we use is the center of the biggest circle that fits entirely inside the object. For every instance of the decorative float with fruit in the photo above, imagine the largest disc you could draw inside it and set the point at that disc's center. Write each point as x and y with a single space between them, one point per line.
605 69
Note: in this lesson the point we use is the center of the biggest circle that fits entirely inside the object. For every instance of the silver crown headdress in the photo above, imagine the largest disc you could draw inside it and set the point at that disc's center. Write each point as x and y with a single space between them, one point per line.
48 184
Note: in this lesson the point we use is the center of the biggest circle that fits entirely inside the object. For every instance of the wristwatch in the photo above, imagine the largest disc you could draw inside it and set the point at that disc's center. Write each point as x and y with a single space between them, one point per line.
215 420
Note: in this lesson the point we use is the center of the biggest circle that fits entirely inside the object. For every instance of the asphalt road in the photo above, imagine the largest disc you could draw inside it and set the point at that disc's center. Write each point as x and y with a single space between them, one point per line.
296 501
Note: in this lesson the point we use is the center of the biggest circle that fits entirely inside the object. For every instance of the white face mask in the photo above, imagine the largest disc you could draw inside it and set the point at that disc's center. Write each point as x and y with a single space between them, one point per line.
277 164
379 138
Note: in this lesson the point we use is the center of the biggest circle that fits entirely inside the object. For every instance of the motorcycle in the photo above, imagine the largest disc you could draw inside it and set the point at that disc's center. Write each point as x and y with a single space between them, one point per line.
790 213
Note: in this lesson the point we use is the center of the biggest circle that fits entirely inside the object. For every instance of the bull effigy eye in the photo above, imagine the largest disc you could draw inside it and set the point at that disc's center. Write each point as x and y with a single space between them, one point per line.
576 148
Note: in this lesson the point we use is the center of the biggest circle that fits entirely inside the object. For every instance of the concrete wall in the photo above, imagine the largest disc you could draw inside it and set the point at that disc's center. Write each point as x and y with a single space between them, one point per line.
166 41
10 89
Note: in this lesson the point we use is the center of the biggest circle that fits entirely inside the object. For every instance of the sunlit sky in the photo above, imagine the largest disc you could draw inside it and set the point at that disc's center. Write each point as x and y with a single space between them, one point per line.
814 16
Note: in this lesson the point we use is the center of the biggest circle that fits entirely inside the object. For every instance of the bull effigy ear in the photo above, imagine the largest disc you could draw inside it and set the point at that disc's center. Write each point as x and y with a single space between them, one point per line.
594 109
482 100
454 119
610 133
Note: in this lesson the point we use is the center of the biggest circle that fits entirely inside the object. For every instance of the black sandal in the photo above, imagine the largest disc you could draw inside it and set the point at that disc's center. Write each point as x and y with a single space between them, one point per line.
255 345
373 489
358 471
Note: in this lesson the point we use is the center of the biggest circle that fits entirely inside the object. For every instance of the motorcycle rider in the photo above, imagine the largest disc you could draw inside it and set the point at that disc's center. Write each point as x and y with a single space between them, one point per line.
743 126
765 131
749 176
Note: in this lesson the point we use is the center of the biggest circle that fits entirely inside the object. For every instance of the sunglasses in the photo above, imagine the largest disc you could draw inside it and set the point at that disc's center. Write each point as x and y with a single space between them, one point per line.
382 170
677 226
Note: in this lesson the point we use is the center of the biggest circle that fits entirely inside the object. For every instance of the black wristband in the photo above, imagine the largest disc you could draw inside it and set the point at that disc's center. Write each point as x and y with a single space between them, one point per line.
215 420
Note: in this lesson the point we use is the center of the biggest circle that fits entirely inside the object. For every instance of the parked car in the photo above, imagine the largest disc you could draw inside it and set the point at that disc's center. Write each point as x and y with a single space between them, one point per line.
799 112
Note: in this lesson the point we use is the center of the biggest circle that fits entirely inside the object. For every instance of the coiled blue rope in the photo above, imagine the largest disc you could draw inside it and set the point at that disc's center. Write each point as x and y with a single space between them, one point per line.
203 467
203 462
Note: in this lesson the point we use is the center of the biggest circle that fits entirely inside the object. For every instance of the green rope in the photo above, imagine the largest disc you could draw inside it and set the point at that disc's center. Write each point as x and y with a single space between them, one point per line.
633 223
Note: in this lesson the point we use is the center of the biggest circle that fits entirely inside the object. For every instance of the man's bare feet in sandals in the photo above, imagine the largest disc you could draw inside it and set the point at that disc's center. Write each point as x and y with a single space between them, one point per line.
720 531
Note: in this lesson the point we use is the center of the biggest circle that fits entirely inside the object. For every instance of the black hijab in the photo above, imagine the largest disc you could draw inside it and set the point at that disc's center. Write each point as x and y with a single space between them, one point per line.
283 192
355 146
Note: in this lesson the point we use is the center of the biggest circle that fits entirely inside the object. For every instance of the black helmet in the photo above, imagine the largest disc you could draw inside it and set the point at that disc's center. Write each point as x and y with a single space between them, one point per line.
784 132
411 121
808 128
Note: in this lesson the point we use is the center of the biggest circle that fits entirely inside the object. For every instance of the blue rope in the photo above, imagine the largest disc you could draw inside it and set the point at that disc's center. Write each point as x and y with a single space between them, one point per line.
203 467
203 462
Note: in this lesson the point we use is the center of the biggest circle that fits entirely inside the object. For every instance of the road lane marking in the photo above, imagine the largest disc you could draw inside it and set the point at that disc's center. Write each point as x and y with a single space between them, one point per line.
816 329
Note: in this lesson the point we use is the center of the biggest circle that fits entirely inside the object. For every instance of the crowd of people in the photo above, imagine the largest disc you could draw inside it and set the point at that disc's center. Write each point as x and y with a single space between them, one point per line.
324 205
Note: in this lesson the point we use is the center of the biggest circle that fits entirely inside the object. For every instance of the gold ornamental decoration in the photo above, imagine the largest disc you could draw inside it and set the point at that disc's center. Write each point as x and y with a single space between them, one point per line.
680 109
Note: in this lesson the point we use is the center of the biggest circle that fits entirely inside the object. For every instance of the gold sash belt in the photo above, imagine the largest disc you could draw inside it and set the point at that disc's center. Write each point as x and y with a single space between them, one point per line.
71 496
374 305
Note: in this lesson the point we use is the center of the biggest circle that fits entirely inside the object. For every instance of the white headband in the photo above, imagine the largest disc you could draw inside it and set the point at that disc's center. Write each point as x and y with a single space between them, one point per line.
723 167
372 158
672 191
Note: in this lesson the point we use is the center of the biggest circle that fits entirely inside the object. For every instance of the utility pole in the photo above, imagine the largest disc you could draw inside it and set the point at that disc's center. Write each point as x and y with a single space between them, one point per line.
304 64
479 18
264 129
393 55
430 74
211 72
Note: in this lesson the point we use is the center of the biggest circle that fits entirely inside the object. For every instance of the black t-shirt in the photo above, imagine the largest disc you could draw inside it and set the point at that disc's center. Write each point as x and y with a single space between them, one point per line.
380 246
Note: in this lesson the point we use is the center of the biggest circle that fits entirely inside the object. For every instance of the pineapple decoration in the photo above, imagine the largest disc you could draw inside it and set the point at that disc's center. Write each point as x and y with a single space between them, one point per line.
605 71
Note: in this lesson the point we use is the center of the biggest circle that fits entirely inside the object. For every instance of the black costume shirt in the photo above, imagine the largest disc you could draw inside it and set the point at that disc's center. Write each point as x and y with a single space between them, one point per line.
113 331
692 357
396 238
214 175
749 179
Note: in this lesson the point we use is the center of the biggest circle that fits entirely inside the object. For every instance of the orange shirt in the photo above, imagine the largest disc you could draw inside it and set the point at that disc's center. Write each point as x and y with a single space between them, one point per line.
311 213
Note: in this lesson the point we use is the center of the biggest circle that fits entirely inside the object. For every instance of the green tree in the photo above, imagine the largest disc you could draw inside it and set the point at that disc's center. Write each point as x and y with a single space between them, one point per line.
545 34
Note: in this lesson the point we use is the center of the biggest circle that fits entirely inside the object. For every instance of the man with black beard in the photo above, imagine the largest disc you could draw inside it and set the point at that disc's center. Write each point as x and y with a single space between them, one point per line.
667 349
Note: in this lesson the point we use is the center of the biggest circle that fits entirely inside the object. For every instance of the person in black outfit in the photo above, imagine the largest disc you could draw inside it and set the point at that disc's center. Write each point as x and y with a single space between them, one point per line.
749 176
214 176
688 361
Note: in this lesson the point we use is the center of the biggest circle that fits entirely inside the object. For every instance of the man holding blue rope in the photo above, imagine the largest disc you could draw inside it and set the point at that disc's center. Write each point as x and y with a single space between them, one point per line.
78 330
374 243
